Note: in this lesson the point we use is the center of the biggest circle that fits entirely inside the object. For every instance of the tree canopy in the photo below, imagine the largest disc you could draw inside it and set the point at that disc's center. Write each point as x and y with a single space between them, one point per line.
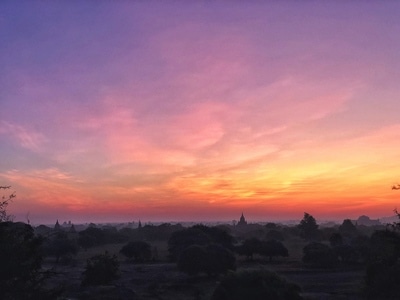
140 251
309 227
255 285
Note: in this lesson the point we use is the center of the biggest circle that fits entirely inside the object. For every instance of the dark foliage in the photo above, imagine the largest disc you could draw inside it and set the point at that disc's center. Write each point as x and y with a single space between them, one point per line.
149 232
272 248
336 239
346 253
193 259
217 235
60 246
249 247
255 285
382 281
347 228
94 236
271 226
382 278
90 237
384 247
4 201
308 227
361 245
111 235
20 261
101 269
351 250
396 225
182 239
274 234
211 259
140 251
198 235
319 255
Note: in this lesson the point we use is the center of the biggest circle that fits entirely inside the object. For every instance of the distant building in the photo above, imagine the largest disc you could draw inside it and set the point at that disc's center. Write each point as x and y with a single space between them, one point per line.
366 221
57 226
242 221
72 229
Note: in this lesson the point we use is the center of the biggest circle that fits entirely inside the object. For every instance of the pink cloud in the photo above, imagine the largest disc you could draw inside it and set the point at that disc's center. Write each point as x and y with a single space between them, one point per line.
27 138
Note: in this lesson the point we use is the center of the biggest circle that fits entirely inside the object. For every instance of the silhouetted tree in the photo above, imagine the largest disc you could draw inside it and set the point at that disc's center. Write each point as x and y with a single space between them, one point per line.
221 260
272 248
5 200
396 225
20 261
249 247
90 237
348 228
101 269
139 250
382 279
319 255
217 235
271 226
192 260
346 253
197 235
111 235
182 239
275 235
21 276
361 246
384 247
336 239
60 246
255 285
308 227
211 259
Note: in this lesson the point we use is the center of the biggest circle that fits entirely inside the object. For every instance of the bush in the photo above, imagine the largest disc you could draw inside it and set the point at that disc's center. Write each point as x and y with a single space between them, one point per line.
91 237
182 239
347 228
319 255
382 282
384 247
198 235
273 248
382 279
101 269
309 228
255 285
210 259
20 261
275 235
249 247
60 246
138 250
335 239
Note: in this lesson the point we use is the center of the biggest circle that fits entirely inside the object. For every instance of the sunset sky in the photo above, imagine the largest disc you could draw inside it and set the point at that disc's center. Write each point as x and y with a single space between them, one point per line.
199 110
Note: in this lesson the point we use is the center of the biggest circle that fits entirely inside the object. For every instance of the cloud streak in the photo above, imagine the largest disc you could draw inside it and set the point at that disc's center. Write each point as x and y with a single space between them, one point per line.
25 137
152 109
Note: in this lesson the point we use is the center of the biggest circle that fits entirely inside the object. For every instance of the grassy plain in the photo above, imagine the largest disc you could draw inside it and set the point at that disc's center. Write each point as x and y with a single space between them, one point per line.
161 279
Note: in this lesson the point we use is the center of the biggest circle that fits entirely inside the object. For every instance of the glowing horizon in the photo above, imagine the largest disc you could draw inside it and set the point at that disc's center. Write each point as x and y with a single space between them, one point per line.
199 111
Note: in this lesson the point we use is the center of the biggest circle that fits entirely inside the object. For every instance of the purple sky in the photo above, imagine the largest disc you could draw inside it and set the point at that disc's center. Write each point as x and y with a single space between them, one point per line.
194 110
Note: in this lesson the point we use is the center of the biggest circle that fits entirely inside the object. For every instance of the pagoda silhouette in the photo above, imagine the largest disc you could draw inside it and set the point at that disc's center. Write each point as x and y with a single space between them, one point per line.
242 221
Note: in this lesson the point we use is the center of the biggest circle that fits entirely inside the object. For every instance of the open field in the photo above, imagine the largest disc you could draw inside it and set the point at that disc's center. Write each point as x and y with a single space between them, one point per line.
162 280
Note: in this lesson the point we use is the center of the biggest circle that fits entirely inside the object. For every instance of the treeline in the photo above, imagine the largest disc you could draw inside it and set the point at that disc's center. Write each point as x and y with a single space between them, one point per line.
201 251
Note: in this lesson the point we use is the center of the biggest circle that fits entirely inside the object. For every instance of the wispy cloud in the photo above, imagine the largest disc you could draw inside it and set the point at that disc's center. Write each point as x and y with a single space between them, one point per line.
27 138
